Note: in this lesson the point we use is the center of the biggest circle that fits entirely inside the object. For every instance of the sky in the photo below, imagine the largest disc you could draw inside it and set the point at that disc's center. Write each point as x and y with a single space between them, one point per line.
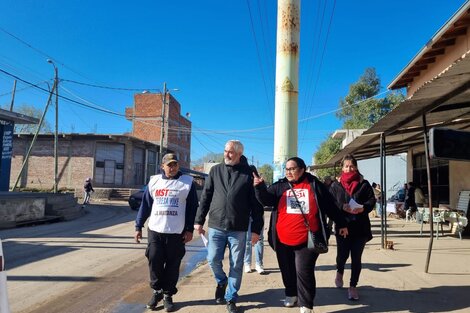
219 55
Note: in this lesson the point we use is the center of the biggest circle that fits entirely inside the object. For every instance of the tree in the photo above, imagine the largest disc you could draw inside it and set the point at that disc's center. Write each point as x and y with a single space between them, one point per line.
266 171
30 111
209 158
325 152
359 109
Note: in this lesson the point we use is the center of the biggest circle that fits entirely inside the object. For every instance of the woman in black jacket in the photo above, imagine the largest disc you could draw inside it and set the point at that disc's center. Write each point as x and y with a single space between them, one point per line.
287 233
356 198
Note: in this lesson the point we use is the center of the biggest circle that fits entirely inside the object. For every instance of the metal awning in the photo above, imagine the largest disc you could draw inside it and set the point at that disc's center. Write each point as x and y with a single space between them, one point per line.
446 102
18 118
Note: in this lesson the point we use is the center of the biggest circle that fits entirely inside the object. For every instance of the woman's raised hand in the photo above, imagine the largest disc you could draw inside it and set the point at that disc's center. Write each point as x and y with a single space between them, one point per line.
257 179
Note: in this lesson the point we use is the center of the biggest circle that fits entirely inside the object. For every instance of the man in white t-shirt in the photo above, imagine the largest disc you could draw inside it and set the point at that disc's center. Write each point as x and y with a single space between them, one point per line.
170 203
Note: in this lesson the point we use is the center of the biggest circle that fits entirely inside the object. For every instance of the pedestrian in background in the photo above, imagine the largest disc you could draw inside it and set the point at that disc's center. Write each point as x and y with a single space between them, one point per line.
170 202
355 196
287 232
420 199
410 203
87 189
378 197
228 197
259 246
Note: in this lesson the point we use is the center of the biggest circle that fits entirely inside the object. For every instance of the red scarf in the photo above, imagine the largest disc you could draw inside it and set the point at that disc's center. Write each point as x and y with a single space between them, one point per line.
350 181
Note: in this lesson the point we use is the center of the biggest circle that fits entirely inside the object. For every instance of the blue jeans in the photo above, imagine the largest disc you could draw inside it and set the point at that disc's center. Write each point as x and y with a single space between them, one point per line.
259 248
218 240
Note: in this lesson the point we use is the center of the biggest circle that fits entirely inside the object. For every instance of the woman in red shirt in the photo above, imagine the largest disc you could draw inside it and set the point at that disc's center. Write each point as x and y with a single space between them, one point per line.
287 233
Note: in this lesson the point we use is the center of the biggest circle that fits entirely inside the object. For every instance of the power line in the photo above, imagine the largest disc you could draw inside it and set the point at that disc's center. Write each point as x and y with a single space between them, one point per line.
259 61
39 51
108 87
62 97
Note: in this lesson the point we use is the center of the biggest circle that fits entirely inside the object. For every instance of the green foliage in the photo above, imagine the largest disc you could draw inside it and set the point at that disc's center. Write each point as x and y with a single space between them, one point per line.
266 171
359 109
325 152
30 111
209 158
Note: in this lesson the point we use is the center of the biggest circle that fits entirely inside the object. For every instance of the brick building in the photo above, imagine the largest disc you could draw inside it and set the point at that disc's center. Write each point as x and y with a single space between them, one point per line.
112 161
146 116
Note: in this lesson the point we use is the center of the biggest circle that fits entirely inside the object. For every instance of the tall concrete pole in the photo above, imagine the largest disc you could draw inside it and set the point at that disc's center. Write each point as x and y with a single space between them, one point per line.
287 84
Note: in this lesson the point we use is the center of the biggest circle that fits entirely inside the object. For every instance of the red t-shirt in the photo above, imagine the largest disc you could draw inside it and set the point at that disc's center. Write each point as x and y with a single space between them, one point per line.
290 225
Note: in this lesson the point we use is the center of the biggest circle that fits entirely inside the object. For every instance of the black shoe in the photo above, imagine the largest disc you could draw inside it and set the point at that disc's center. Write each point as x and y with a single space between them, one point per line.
168 303
231 307
156 297
220 293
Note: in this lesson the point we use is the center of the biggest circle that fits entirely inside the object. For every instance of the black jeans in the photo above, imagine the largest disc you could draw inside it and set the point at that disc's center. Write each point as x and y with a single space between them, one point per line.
164 254
345 246
297 265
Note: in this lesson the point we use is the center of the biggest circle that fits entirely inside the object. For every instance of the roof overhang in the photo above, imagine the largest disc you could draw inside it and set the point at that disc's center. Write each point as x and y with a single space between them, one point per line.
17 118
446 36
444 101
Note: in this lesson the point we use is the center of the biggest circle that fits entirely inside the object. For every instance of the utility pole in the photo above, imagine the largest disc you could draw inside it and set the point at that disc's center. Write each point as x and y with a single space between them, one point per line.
56 132
162 126
13 96
287 84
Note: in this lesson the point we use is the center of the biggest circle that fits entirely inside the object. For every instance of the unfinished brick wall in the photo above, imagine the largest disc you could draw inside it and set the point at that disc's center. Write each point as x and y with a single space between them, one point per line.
75 163
146 116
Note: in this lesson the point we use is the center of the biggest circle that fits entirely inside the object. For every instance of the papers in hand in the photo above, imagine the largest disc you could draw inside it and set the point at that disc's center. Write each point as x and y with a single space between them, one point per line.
354 205
204 240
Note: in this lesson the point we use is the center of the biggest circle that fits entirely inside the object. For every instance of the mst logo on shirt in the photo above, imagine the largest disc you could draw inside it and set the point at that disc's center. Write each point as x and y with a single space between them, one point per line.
167 197
292 207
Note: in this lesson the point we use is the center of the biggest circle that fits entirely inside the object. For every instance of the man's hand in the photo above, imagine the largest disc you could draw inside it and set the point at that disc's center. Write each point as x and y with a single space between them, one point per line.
199 229
187 236
343 232
254 238
257 179
138 236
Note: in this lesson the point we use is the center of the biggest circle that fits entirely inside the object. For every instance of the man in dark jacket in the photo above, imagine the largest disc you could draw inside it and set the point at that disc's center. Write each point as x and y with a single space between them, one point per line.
228 197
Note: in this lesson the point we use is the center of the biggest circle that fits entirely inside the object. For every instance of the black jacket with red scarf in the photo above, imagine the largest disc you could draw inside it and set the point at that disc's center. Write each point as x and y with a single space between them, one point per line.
358 224
270 197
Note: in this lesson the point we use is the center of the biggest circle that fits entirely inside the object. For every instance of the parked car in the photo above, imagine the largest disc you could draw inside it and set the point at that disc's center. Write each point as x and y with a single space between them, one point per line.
135 199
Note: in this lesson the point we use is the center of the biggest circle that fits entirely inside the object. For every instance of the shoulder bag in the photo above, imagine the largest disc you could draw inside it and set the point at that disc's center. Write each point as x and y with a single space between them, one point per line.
315 242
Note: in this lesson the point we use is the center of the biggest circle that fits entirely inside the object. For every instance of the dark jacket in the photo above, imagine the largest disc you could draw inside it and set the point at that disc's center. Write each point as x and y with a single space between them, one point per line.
229 199
88 187
358 224
271 196
147 202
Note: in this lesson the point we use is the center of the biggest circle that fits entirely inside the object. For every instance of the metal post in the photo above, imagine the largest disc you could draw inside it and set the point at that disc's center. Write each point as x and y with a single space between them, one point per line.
431 215
384 188
287 84
382 230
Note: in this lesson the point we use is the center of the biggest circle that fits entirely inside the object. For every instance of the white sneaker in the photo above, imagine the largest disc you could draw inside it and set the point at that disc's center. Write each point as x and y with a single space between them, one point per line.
305 310
260 269
290 302
247 268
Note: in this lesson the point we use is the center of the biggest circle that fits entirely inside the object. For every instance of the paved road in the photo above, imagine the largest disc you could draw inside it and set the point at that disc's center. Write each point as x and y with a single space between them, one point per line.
84 265
92 265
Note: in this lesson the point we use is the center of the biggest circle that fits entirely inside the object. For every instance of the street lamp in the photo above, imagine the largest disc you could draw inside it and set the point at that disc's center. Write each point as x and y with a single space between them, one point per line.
56 133
162 126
